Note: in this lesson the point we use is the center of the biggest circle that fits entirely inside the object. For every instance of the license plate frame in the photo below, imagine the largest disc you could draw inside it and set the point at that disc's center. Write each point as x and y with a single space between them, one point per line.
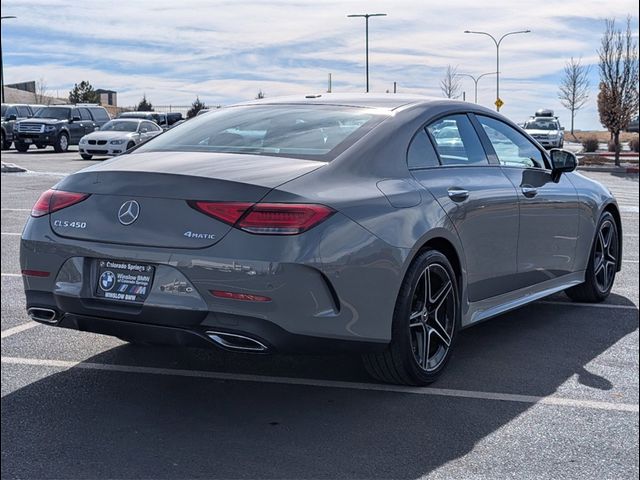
123 281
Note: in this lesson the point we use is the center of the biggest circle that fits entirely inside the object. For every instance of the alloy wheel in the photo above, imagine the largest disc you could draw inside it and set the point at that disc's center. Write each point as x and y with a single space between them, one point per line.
606 256
432 319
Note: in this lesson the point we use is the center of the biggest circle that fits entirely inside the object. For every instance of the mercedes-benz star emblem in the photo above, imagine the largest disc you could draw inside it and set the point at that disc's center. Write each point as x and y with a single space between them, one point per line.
129 212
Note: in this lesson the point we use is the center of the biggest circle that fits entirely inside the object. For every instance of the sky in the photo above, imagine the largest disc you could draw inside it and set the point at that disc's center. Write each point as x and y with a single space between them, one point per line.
225 51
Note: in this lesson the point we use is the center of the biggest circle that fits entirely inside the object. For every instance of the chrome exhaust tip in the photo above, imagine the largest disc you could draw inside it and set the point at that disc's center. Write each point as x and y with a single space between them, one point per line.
232 341
45 315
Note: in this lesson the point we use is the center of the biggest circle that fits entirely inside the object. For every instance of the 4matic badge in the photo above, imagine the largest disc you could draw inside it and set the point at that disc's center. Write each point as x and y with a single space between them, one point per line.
199 236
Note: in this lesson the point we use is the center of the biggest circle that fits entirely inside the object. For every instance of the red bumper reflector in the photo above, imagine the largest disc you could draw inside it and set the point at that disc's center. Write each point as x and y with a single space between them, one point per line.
35 273
245 297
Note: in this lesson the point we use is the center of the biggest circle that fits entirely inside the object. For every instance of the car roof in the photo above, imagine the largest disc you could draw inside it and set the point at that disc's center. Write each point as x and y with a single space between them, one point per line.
389 101
132 120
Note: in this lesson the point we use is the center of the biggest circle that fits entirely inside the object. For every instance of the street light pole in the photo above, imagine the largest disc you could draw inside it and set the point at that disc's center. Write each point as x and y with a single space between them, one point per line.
1 62
366 17
475 81
497 43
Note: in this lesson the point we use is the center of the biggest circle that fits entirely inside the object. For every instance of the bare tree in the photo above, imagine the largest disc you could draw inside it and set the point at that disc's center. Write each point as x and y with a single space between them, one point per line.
574 87
41 95
618 96
450 84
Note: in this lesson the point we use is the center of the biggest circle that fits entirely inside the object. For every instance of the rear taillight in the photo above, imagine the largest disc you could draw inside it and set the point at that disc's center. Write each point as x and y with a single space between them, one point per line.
54 200
267 218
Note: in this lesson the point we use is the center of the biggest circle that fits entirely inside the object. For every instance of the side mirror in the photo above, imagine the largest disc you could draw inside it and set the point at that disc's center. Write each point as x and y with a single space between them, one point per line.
12 117
562 161
75 118
562 128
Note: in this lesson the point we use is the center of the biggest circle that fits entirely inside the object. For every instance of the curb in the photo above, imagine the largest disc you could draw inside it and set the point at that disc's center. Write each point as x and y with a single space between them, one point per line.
594 168
12 168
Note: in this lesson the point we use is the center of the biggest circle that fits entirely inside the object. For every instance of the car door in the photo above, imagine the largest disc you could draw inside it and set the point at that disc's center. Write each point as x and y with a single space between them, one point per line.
147 130
75 126
87 122
448 159
549 206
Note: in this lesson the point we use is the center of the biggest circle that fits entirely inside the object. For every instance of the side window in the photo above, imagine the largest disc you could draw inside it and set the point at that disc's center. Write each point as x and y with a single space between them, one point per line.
512 148
457 142
12 111
84 114
23 111
144 127
421 153
100 114
74 112
152 127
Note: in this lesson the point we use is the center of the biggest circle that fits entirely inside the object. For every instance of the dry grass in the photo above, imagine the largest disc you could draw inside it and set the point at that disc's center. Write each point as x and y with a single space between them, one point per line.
603 136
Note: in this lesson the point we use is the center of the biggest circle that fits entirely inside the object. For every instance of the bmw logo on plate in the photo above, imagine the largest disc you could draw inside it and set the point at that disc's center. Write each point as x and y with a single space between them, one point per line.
107 280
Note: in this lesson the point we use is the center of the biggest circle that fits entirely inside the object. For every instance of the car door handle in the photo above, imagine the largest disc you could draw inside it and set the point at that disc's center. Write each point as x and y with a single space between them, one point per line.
458 194
529 192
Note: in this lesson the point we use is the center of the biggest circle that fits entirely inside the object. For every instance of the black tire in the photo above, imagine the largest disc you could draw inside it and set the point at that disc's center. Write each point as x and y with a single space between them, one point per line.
130 145
62 143
6 145
21 147
86 156
598 283
399 363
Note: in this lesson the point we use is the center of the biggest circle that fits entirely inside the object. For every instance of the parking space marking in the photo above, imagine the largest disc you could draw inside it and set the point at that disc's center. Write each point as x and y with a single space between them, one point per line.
11 275
309 382
17 329
15 209
11 233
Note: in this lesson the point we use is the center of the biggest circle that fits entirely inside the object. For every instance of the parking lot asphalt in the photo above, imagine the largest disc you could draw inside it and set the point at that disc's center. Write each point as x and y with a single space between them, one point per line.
547 391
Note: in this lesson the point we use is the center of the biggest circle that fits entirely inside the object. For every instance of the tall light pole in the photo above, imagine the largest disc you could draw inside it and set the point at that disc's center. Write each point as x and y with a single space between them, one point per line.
475 81
1 64
497 42
366 17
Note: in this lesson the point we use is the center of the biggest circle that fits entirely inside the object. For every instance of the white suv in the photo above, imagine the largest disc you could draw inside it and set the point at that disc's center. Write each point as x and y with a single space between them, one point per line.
546 129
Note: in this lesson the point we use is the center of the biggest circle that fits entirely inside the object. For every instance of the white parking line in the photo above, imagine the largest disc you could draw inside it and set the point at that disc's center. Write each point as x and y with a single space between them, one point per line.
629 209
11 275
441 392
17 329
11 233
15 209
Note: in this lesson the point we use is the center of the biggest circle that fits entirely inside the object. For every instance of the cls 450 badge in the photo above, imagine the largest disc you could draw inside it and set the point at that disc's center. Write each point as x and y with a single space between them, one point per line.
201 236
70 224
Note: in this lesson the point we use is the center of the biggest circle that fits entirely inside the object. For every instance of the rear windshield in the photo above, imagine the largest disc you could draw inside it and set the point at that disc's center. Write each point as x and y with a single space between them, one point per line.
59 113
314 132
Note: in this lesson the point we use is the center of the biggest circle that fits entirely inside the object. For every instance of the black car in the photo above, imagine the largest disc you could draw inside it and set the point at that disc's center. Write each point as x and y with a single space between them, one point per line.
11 113
173 117
59 126
160 118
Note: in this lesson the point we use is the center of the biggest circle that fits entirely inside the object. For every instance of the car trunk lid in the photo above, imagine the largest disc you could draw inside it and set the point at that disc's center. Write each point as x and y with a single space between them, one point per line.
138 199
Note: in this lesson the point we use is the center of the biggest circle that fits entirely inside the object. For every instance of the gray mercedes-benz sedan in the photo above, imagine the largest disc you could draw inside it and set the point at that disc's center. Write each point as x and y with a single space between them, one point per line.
381 224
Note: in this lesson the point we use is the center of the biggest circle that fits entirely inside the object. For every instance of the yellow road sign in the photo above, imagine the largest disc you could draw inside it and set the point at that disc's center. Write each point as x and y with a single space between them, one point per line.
499 103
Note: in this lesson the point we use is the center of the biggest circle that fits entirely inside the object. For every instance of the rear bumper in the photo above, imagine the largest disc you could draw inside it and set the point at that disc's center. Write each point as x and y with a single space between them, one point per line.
192 331
346 304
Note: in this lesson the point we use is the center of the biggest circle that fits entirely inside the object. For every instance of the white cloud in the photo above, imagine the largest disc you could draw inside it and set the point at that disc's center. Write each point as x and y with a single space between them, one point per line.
225 51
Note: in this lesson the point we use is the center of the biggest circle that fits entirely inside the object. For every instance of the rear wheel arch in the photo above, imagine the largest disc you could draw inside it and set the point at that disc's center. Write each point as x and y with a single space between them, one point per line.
448 248
612 208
